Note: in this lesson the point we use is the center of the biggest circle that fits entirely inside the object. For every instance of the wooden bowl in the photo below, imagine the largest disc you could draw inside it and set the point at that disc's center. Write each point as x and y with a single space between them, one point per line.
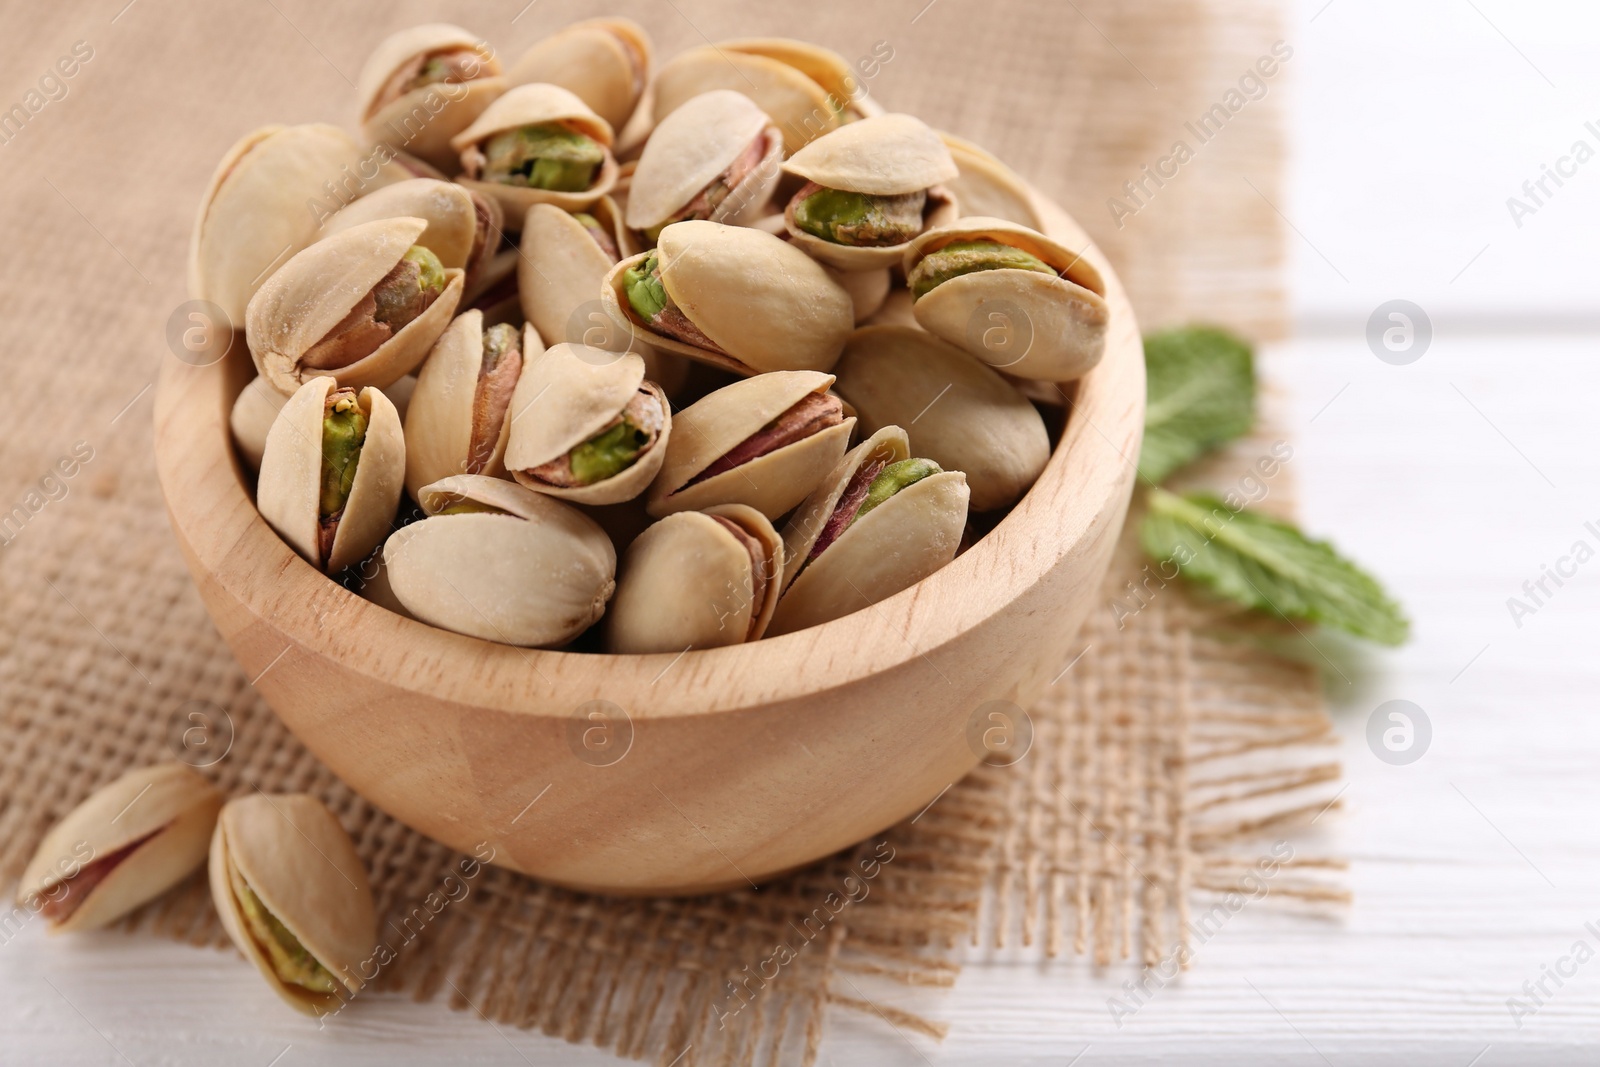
722 767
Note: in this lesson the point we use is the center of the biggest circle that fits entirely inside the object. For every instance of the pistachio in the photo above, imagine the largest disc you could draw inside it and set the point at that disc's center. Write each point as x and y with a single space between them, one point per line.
538 144
294 898
717 157
731 296
880 522
871 187
1014 298
587 426
130 841
513 566
547 156
332 472
605 62
463 226
424 85
697 580
987 187
899 376
364 305
252 415
765 442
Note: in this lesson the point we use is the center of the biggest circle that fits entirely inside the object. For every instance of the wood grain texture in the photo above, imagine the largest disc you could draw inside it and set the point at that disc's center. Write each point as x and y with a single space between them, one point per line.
744 761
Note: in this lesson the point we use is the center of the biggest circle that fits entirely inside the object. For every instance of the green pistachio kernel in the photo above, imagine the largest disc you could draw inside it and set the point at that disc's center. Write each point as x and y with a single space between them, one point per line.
827 211
431 270
289 957
344 429
497 341
469 507
549 156
967 257
608 453
893 478
646 295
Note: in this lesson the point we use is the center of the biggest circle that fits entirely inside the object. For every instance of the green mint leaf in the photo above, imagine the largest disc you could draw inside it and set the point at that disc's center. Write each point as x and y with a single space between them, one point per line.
1200 393
1259 562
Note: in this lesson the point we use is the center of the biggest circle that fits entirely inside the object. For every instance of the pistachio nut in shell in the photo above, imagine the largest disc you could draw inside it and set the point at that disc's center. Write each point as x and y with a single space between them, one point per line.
733 297
869 290
806 89
538 144
422 86
717 157
956 411
502 563
697 579
363 306
871 187
251 418
332 473
294 898
463 227
458 420
882 521
988 187
766 442
1014 298
587 427
605 62
254 212
564 258
130 841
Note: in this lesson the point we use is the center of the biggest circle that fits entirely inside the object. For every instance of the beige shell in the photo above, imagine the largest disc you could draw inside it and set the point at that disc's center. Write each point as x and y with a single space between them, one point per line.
605 62
896 310
768 305
893 547
252 416
559 273
299 862
422 122
807 90
887 155
164 814
438 426
455 216
290 486
687 582
1026 323
957 412
532 105
988 187
567 396
693 147
314 291
710 427
537 572
266 201
868 289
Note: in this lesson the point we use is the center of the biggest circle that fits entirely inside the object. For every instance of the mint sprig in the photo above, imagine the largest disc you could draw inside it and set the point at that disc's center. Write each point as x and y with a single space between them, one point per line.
1259 562
1200 393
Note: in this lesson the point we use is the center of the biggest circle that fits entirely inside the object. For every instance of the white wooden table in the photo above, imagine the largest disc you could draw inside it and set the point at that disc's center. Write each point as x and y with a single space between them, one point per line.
1456 477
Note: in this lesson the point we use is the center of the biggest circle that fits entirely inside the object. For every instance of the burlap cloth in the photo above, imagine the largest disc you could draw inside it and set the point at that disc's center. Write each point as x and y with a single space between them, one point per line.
1161 754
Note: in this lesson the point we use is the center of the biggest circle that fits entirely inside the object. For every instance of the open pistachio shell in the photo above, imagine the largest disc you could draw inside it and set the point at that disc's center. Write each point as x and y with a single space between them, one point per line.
289 491
888 155
711 427
130 841
807 90
694 147
314 291
690 582
888 445
522 569
463 227
987 187
892 547
1047 327
559 273
537 105
254 214
422 121
252 416
294 898
767 305
956 411
445 408
566 397
605 62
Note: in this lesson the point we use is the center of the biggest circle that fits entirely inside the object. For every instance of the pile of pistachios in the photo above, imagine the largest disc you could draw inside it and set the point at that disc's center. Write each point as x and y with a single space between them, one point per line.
584 353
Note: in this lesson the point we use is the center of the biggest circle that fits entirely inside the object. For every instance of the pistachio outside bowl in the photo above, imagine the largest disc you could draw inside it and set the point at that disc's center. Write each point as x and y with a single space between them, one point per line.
661 773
